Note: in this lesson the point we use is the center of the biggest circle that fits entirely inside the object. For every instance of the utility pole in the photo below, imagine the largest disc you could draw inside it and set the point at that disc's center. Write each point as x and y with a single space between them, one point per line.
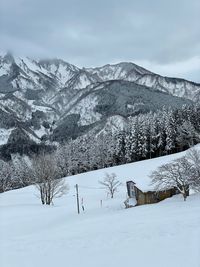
150 141
77 199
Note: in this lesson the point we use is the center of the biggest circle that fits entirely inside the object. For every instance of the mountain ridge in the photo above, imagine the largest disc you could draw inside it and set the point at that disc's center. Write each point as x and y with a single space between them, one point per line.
46 96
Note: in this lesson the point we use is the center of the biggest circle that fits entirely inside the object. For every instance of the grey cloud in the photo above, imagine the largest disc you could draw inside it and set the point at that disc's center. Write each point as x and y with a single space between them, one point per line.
91 32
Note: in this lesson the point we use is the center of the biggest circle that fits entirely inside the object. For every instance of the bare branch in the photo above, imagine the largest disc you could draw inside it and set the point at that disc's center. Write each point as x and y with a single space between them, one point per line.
110 183
46 176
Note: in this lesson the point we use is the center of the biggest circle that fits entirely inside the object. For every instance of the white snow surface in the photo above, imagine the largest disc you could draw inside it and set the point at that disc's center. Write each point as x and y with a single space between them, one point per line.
164 234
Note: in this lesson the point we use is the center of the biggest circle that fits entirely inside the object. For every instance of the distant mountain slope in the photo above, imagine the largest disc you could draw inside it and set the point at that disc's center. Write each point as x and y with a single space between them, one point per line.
122 98
55 100
131 72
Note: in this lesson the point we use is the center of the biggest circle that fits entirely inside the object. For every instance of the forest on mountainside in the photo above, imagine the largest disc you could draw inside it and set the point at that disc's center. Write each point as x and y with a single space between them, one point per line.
146 136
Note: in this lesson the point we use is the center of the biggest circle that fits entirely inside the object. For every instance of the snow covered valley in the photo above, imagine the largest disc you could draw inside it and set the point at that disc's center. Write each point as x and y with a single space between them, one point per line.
164 234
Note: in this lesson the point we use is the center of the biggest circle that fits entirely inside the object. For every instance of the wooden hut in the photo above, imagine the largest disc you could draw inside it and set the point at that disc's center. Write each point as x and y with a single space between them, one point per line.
145 195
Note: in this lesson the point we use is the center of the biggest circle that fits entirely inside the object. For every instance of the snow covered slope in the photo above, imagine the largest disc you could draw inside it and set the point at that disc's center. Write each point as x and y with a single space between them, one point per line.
164 234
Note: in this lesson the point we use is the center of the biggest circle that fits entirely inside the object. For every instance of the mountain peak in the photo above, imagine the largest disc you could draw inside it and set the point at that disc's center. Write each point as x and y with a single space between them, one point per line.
8 58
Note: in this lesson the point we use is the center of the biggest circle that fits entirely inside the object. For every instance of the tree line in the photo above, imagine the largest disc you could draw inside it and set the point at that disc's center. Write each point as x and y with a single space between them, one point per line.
144 136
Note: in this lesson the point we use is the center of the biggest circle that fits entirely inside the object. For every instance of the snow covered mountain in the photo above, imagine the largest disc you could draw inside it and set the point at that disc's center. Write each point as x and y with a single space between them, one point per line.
52 100
132 72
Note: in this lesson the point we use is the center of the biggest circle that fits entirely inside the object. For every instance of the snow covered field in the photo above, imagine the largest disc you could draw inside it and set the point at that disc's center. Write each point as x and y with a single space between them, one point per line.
166 234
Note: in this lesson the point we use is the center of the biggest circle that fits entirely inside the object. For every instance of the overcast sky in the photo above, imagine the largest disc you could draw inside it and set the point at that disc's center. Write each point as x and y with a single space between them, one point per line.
161 35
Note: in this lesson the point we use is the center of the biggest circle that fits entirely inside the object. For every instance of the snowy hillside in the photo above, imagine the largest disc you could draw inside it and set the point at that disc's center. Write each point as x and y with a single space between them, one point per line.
164 234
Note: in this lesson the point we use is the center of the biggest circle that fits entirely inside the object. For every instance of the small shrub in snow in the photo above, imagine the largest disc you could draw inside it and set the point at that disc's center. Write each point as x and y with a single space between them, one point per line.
110 183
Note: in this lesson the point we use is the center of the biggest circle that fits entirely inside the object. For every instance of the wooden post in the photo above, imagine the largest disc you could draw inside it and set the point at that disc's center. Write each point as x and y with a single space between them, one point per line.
77 199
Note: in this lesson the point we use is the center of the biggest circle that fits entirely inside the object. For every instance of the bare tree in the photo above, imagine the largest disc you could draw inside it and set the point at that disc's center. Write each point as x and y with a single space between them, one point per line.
175 174
193 158
46 177
110 183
